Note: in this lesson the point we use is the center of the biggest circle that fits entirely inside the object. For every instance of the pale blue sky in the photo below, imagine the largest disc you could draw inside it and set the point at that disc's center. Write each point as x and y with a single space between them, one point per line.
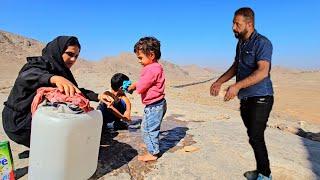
191 32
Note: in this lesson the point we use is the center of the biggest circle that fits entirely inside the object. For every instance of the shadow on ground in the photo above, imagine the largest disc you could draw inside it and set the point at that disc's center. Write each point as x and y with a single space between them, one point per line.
119 149
20 172
311 142
113 154
313 148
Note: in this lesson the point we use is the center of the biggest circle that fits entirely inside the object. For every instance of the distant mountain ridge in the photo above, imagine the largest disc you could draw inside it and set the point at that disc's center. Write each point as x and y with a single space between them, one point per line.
15 48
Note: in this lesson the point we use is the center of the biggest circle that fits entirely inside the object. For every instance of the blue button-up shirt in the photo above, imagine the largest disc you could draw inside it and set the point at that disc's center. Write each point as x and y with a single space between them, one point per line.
248 53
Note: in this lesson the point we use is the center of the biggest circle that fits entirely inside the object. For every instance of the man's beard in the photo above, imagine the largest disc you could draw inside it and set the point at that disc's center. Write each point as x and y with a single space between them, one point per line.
240 35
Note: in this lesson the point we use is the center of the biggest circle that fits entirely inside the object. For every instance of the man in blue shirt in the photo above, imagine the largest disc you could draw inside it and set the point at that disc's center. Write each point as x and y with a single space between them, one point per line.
253 86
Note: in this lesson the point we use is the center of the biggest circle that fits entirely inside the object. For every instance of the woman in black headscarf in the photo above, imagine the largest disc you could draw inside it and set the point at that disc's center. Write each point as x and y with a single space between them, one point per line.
52 69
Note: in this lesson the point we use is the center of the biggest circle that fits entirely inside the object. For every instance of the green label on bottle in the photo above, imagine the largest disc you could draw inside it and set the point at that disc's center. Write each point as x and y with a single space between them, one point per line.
6 161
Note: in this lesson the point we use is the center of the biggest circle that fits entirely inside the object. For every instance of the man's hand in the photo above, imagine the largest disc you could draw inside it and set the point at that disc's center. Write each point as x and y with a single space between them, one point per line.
64 85
232 92
215 88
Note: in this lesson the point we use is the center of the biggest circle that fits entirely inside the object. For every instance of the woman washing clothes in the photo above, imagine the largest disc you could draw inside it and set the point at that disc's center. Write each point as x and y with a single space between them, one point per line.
52 69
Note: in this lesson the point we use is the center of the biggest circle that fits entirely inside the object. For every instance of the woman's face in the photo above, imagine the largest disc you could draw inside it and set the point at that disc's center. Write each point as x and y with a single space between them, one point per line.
70 55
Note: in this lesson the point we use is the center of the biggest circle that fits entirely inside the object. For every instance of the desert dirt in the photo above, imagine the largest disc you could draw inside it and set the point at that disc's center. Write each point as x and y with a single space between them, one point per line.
202 136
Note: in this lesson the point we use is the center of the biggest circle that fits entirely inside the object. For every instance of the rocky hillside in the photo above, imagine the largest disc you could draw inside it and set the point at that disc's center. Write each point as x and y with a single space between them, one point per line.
15 48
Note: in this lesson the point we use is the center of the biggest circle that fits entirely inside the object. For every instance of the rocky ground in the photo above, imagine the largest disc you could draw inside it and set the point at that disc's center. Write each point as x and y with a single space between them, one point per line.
202 137
201 141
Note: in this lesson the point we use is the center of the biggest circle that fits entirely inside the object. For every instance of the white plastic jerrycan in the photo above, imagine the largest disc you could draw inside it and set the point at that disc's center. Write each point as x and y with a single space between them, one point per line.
64 146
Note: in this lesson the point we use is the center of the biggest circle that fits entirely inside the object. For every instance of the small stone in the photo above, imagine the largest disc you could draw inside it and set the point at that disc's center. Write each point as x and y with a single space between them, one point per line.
302 124
281 126
223 117
292 129
190 149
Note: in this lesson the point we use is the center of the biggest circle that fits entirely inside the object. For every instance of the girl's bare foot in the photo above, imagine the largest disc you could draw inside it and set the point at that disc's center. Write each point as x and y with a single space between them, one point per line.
147 157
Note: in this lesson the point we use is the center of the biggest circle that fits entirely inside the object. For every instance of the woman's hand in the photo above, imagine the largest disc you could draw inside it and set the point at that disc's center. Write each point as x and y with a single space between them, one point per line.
64 85
106 99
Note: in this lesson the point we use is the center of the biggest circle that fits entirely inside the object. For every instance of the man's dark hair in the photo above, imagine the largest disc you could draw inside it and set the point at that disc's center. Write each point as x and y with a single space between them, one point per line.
73 41
117 81
148 45
246 12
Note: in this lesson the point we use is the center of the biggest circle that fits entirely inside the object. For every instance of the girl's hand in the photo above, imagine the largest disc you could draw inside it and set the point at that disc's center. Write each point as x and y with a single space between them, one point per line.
132 87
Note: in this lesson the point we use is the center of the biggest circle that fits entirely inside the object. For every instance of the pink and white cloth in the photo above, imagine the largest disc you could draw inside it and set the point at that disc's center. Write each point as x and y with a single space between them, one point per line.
55 95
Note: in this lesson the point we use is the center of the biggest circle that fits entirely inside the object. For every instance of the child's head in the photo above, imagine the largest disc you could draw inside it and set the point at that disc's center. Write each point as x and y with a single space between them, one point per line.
147 50
117 81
